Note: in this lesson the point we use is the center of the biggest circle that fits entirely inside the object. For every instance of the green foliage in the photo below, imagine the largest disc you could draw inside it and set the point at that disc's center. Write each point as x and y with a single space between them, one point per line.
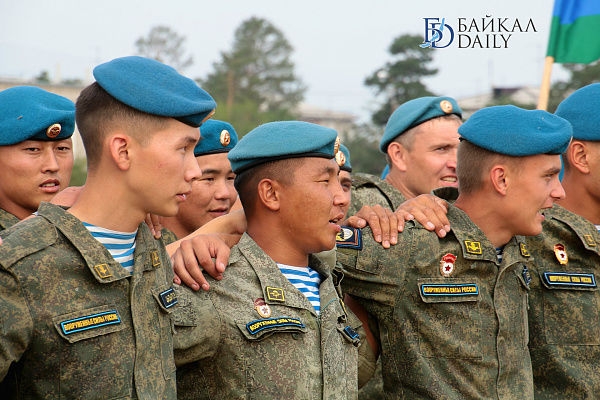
581 75
364 150
255 81
164 45
79 172
399 80
43 78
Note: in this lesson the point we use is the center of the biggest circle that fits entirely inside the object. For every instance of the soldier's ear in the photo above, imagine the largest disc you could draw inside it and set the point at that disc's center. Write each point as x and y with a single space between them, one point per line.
499 178
268 192
577 155
397 155
119 148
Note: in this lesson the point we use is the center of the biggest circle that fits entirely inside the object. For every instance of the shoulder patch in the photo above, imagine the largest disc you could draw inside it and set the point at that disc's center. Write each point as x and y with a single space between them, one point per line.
25 238
349 238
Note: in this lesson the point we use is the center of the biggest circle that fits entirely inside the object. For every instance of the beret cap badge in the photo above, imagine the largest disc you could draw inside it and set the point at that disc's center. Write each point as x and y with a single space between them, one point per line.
53 131
340 158
225 137
446 106
336 146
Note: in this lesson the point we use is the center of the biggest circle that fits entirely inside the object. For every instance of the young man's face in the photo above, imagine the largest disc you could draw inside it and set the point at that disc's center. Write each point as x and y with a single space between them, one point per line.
313 205
346 182
431 161
164 169
532 188
212 194
31 172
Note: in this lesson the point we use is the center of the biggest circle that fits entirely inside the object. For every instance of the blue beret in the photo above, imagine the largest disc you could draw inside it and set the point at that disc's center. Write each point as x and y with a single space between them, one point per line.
343 158
281 140
31 113
215 137
155 88
415 112
517 132
581 110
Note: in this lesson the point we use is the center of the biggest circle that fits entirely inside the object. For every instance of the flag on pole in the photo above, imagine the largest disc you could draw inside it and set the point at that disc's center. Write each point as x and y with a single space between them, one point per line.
574 34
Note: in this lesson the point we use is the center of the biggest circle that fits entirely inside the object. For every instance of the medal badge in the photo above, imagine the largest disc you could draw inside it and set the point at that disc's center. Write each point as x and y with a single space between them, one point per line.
262 308
447 264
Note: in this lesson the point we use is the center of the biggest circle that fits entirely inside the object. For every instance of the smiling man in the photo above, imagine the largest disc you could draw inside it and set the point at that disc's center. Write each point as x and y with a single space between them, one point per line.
450 314
36 151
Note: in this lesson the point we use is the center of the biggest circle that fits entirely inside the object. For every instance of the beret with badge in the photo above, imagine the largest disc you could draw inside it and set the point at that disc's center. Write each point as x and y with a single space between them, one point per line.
415 112
517 132
343 159
282 140
581 110
215 137
155 88
31 113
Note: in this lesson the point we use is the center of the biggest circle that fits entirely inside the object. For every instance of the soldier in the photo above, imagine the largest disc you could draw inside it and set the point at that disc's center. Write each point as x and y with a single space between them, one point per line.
36 151
450 314
213 194
275 327
564 301
86 294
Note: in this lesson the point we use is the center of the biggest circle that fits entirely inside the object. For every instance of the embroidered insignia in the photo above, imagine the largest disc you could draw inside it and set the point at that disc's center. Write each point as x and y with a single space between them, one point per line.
569 279
155 258
526 275
473 247
103 271
449 289
561 254
225 138
168 298
262 308
524 251
349 238
259 325
90 322
275 294
447 264
53 131
589 239
350 335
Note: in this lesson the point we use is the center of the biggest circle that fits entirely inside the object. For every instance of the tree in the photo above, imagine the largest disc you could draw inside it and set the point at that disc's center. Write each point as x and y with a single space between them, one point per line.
43 78
255 82
581 75
164 45
399 80
364 150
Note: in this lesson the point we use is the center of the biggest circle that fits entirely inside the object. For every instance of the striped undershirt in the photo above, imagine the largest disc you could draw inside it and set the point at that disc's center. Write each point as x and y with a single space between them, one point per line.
120 245
499 253
306 280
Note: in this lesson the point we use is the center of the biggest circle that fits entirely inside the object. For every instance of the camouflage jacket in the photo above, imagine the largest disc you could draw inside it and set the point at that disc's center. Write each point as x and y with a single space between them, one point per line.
451 319
564 318
7 219
371 190
255 336
75 323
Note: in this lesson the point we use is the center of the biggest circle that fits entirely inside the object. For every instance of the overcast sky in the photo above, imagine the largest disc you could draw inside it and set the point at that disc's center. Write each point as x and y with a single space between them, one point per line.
337 43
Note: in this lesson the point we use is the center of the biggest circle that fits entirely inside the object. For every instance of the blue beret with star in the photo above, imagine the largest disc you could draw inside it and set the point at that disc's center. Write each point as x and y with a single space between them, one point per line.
282 140
514 131
415 112
155 88
215 137
343 158
581 110
31 113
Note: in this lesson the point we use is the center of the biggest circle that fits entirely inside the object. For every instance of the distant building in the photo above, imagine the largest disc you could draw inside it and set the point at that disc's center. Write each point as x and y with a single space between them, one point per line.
343 123
521 95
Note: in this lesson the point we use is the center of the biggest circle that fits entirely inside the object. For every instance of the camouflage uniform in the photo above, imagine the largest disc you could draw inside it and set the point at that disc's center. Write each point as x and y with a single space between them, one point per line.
7 219
74 323
167 236
371 190
255 336
460 336
564 323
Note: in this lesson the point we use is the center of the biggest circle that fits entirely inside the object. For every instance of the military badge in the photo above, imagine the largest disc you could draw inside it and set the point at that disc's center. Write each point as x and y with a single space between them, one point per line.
447 264
336 146
350 238
561 254
524 251
473 247
53 131
155 258
589 239
225 137
446 106
275 294
526 275
103 271
262 308
340 158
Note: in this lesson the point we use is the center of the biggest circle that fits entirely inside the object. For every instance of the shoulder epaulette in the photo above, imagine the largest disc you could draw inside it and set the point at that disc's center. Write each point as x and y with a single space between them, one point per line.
25 238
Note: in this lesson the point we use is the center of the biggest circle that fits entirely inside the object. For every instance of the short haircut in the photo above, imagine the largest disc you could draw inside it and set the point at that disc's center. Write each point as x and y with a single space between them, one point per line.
407 139
473 163
97 113
246 182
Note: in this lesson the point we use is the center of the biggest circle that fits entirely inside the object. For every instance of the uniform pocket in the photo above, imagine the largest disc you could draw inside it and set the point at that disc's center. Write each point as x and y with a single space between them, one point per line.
88 323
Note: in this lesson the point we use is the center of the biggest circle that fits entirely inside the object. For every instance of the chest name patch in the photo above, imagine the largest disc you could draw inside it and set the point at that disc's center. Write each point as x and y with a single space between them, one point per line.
449 289
88 322
569 279
260 325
